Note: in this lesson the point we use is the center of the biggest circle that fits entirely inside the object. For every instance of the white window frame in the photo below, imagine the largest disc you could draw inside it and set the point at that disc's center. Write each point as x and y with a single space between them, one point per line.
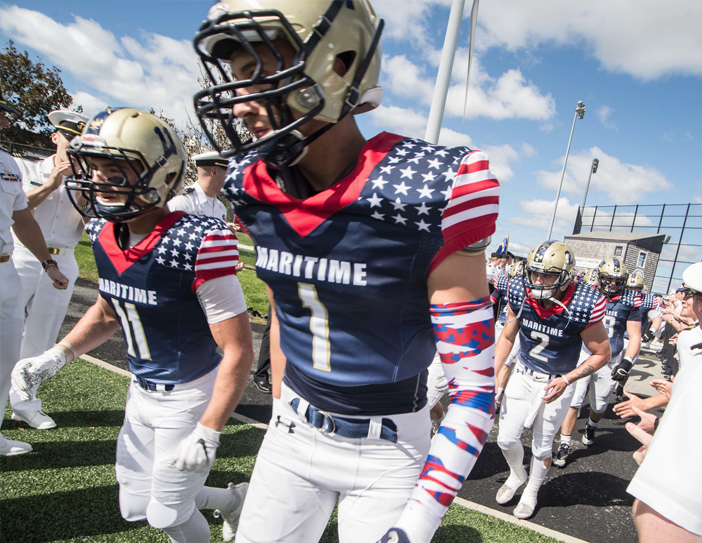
640 264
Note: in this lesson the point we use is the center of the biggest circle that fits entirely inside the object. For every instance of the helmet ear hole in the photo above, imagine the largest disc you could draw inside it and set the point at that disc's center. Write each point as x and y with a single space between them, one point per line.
346 58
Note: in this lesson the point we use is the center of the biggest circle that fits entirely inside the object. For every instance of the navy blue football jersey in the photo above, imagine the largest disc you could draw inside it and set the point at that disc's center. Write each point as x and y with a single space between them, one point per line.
550 339
152 287
348 266
620 309
499 295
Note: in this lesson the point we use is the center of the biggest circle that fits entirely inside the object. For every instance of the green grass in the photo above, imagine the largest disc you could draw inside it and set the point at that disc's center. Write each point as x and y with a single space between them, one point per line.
66 490
254 288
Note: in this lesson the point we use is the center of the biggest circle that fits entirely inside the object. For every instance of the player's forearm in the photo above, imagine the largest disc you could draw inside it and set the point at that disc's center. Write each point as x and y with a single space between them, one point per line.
468 365
633 348
229 387
587 368
92 330
502 349
277 357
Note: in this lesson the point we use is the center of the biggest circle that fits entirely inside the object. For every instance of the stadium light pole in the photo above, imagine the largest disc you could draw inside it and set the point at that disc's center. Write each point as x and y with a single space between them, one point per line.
579 114
443 78
593 169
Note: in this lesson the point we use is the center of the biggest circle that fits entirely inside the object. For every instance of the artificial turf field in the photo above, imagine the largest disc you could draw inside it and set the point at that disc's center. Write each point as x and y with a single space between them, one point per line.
66 490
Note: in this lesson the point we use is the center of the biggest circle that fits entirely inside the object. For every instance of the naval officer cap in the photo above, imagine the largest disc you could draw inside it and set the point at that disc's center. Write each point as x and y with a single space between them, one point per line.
209 159
69 123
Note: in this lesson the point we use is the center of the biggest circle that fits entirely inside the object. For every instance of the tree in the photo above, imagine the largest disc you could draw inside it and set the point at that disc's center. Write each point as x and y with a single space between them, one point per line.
34 90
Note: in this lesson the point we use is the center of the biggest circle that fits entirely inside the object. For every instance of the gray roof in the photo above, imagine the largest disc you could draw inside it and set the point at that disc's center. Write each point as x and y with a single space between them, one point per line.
614 236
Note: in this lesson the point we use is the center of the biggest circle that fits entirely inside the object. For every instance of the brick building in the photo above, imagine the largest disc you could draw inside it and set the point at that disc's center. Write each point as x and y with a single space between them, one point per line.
636 250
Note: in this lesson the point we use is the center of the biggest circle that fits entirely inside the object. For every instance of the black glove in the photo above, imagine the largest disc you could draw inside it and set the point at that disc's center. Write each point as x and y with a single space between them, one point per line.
648 336
621 372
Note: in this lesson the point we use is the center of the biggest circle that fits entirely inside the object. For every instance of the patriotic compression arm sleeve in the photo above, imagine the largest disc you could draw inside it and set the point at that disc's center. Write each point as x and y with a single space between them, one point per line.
465 339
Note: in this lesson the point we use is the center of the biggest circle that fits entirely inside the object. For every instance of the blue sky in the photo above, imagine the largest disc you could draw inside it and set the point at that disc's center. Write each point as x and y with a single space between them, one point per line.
637 68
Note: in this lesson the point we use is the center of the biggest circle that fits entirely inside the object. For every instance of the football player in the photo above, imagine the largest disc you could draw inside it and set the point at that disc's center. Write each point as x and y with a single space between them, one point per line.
553 317
167 280
499 295
622 315
373 252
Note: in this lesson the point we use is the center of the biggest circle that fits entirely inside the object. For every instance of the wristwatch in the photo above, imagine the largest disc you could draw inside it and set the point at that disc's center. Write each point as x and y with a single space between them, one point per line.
49 262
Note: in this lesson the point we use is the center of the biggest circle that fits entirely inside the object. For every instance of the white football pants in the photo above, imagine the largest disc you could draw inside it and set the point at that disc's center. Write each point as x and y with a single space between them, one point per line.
522 407
301 473
601 384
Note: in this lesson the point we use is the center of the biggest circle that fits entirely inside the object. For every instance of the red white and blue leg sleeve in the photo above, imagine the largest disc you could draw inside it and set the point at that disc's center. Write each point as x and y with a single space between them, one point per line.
465 339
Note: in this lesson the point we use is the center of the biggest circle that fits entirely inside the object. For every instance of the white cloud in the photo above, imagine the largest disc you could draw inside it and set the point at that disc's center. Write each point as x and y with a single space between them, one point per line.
623 183
528 150
603 113
510 96
500 158
642 38
405 20
538 213
153 71
91 104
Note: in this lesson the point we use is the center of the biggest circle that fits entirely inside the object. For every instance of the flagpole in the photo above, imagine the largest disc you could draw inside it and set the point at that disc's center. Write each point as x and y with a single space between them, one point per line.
443 78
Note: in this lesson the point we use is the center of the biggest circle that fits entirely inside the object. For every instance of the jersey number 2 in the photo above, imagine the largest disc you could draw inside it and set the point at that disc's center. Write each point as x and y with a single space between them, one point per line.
543 343
131 324
319 326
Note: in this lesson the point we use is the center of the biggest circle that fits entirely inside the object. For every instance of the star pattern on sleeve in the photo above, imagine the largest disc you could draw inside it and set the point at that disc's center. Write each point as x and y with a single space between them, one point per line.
178 247
412 185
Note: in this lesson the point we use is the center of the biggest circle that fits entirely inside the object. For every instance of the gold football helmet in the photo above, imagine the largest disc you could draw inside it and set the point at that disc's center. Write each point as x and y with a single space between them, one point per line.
612 276
136 142
550 258
517 269
320 32
635 281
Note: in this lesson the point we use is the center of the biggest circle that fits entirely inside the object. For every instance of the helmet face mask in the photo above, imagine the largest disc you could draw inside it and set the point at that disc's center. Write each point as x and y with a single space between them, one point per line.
316 33
550 259
122 182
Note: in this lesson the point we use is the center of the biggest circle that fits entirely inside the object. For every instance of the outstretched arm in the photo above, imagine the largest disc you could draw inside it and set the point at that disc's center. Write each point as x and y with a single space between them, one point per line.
464 330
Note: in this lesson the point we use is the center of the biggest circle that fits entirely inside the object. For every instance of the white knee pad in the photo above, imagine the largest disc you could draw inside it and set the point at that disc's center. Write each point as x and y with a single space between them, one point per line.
193 530
133 507
166 516
506 442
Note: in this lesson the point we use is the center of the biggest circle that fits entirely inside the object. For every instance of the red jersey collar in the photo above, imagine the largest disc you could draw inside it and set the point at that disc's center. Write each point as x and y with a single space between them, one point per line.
544 312
122 260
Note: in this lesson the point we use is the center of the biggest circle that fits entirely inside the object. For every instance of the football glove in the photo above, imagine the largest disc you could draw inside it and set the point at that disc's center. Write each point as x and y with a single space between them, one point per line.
31 372
197 451
648 336
394 535
621 371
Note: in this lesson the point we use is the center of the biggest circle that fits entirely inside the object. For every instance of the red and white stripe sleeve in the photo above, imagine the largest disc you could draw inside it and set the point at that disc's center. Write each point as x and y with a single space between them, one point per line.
218 256
471 212
598 311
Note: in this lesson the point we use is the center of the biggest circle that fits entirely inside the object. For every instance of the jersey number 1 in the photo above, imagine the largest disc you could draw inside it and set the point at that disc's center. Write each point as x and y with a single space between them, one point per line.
131 324
319 326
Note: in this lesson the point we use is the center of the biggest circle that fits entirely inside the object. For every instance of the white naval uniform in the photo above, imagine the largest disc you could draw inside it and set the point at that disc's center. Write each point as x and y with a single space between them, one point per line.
12 198
196 202
670 478
45 305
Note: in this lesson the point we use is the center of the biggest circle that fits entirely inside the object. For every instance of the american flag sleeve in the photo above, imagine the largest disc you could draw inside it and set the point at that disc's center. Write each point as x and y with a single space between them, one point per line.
465 338
218 256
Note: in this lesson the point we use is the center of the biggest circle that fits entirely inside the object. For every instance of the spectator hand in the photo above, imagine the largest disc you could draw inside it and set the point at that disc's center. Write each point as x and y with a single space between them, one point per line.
643 437
663 387
626 409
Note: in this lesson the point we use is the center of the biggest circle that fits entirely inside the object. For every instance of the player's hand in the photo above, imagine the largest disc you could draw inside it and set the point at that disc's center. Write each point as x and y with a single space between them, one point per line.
626 409
394 535
234 227
648 336
31 372
60 280
621 371
663 387
554 389
197 451
643 437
